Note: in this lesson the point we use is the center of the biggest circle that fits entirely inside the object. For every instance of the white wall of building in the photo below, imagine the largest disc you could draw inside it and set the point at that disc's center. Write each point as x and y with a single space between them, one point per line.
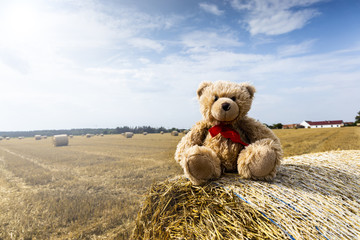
306 125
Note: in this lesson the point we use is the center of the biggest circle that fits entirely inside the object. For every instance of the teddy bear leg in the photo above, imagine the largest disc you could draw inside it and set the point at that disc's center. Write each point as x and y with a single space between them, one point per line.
260 160
201 164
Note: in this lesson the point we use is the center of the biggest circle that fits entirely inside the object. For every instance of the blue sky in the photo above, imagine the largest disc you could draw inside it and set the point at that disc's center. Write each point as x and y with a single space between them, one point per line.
77 64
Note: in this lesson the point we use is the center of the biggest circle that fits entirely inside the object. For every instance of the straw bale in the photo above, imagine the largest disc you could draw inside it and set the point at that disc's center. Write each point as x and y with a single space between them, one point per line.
89 135
314 196
1 138
37 137
60 140
44 137
71 136
174 133
145 133
162 132
7 138
129 134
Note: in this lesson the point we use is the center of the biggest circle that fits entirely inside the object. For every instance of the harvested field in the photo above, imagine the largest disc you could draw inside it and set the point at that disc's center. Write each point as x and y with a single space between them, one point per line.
91 188
94 187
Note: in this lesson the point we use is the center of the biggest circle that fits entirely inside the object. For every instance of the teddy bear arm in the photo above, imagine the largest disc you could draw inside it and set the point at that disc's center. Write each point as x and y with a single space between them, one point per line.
256 131
195 137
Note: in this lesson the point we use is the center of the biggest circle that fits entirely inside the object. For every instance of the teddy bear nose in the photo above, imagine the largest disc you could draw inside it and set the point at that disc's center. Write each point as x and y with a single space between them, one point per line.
225 106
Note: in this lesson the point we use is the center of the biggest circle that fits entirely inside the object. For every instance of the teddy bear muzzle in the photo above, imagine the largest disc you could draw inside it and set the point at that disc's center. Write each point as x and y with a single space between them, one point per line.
225 110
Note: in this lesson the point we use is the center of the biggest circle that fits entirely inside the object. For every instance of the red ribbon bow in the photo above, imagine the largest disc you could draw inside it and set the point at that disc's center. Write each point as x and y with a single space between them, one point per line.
226 132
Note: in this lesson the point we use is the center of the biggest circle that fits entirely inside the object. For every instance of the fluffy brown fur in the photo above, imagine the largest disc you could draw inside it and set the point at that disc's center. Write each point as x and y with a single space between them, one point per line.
204 157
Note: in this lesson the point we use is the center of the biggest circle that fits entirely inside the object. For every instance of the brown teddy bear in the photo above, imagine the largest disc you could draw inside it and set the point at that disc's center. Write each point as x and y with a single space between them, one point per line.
227 140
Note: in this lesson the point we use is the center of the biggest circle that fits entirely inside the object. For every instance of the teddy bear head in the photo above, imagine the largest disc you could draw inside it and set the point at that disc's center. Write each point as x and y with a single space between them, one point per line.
224 102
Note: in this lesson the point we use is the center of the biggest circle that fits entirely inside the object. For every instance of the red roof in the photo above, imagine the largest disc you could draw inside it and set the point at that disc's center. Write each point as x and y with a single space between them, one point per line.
334 122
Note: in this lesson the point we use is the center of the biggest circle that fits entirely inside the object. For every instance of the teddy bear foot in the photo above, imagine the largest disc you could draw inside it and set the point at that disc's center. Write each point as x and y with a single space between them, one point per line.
202 165
263 165
260 160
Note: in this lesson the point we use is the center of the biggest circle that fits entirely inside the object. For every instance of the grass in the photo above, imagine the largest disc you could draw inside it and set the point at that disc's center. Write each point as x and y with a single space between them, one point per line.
94 187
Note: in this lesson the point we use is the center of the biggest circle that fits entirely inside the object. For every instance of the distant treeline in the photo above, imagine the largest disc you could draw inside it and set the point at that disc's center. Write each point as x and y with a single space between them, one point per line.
82 131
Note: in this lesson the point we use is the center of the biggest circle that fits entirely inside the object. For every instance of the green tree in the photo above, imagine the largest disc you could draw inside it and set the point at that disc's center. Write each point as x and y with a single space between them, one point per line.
277 126
357 118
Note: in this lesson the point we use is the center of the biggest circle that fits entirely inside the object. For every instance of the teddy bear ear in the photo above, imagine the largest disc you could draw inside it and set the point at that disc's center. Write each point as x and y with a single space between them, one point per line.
201 88
251 89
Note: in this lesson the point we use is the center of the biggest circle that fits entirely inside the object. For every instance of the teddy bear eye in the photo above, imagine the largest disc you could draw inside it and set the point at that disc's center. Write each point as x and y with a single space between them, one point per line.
233 98
216 98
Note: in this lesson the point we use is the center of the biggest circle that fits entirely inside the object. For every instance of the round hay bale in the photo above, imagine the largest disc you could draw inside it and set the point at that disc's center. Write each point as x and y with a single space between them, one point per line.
129 134
1 138
185 131
60 140
174 133
71 136
314 196
7 138
101 135
37 137
145 133
162 132
89 135
21 137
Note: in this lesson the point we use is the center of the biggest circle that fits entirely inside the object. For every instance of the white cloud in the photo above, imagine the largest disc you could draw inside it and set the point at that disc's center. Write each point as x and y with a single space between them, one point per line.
145 43
211 8
296 49
313 89
274 17
198 41
280 22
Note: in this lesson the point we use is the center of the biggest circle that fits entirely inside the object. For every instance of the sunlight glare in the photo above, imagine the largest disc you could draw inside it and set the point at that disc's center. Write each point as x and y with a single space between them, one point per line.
22 21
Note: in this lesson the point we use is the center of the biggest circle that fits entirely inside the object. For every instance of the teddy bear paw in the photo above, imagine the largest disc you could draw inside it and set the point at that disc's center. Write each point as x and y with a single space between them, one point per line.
263 164
201 169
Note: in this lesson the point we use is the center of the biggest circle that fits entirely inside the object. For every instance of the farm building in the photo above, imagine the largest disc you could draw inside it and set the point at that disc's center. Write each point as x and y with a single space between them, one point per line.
322 124
292 126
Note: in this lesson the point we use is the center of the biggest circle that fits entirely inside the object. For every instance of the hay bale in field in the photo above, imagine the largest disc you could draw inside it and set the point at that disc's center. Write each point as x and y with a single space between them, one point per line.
60 140
162 132
1 138
71 136
129 134
145 133
21 137
101 135
44 137
314 196
37 137
174 133
7 138
185 131
89 135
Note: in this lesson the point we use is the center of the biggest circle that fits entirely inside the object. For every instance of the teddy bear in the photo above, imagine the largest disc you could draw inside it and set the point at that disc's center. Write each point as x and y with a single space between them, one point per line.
226 139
